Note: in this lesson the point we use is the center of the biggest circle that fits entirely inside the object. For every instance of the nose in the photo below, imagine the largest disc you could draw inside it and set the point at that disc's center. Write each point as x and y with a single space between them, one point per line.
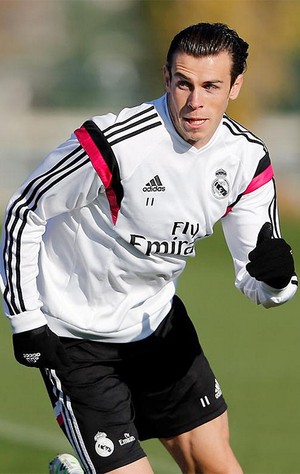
195 100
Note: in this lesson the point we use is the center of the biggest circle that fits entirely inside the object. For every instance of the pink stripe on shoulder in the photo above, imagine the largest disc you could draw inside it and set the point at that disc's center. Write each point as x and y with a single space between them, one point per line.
101 168
260 180
96 158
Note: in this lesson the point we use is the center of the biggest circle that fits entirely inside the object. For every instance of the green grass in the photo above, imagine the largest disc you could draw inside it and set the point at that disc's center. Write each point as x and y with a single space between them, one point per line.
254 352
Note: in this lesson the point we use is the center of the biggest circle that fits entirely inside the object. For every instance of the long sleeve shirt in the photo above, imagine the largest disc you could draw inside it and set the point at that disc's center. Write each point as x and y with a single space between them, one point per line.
95 239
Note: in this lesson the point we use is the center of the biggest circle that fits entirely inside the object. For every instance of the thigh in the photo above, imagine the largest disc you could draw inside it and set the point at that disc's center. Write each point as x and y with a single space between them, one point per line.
93 406
204 449
174 388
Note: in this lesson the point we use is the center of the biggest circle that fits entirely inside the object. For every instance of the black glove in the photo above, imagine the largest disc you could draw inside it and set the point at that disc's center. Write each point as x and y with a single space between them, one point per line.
40 348
271 261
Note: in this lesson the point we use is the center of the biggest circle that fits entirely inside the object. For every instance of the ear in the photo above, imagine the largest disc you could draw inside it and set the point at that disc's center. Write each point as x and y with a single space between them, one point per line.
236 87
167 79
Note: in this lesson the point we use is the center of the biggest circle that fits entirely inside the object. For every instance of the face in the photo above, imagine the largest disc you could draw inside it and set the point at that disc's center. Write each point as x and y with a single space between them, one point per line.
198 91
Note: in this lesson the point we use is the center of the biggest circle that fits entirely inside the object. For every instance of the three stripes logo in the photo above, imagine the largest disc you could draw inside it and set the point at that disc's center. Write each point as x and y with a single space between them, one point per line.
154 185
218 391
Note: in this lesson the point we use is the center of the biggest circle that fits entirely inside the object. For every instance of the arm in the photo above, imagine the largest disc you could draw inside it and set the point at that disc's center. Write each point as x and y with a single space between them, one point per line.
64 181
241 229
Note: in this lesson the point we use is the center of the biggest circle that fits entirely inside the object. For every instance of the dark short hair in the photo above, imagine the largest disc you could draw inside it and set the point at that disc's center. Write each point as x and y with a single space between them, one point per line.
207 39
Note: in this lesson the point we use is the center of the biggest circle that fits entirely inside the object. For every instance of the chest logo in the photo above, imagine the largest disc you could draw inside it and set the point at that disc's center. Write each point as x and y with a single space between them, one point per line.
154 185
220 185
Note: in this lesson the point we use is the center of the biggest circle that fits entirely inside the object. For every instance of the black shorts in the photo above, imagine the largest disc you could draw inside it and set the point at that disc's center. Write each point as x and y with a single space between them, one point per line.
114 395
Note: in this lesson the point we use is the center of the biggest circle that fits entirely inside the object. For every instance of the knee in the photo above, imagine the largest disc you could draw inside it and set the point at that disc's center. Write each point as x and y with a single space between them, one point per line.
225 463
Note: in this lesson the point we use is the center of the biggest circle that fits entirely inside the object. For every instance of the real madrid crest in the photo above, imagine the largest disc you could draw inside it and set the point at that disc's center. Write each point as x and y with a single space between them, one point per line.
104 446
220 185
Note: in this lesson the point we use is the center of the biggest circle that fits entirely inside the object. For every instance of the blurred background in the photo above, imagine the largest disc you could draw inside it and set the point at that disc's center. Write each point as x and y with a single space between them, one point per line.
63 61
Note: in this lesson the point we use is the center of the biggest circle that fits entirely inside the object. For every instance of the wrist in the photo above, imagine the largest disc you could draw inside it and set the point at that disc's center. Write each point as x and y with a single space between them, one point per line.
27 321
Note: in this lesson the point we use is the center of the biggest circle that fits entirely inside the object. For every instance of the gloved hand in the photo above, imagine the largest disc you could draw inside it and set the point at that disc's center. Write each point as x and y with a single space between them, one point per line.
40 347
271 261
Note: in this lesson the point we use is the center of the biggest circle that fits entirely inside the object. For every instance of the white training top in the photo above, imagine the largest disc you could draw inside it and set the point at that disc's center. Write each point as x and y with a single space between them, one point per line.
95 239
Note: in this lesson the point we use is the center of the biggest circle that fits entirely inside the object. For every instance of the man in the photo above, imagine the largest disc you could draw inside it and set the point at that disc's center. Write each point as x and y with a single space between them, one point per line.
96 238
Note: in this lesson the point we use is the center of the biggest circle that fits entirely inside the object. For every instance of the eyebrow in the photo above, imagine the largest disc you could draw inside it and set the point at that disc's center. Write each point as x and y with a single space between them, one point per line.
183 76
179 74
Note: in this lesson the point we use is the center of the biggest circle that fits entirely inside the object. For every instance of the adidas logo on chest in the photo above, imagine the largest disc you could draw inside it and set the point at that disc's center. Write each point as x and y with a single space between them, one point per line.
154 185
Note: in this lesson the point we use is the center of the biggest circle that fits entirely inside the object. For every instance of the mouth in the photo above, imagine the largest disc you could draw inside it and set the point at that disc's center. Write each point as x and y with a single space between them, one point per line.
194 122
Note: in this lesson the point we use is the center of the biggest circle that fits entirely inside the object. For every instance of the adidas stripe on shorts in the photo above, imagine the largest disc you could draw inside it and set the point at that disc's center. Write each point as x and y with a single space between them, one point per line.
115 395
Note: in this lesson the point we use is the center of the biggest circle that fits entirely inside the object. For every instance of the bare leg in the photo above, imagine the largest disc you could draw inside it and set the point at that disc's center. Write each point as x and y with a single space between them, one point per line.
204 450
142 466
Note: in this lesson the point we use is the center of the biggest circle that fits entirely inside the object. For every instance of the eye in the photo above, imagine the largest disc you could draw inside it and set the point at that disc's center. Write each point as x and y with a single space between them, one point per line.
183 85
210 86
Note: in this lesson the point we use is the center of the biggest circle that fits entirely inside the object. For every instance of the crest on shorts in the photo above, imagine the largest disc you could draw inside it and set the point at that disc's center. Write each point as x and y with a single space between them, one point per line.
104 446
220 185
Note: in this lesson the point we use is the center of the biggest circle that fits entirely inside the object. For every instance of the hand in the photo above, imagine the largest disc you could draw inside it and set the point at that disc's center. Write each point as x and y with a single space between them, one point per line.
40 348
271 261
